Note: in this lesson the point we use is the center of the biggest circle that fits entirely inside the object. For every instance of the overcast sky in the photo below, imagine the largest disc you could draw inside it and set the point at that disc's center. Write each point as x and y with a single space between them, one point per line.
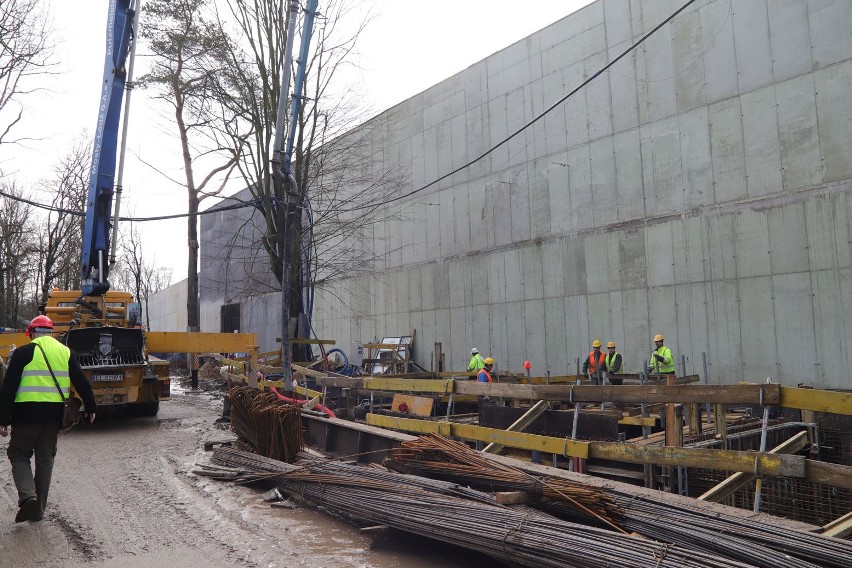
408 47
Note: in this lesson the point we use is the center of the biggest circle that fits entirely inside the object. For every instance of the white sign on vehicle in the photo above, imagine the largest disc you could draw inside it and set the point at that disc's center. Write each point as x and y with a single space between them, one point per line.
100 378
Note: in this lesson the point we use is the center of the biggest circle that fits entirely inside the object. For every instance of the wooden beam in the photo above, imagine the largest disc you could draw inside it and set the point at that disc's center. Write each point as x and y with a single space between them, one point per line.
198 342
820 400
520 424
826 473
306 341
637 421
740 479
515 498
840 527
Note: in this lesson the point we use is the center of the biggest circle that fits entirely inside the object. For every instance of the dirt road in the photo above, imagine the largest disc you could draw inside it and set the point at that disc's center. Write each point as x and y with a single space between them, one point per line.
123 496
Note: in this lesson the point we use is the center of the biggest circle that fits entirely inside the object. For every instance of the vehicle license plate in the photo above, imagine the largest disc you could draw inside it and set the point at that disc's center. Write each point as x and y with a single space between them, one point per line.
100 378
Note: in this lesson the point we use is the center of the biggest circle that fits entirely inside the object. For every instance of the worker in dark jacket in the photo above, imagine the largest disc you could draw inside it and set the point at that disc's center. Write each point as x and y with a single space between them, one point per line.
30 401
595 362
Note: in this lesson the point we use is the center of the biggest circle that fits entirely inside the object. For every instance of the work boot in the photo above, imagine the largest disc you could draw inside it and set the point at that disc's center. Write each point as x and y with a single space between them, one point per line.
30 511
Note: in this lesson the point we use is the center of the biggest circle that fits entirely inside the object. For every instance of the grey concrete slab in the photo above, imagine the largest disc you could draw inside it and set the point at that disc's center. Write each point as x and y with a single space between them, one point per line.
559 191
518 113
600 320
534 338
519 196
532 273
597 264
797 125
697 159
553 277
662 100
429 293
501 203
643 95
726 144
512 276
579 175
557 357
830 326
477 137
576 327
758 324
687 251
617 16
574 266
797 355
633 261
721 248
499 334
789 37
845 338
751 41
662 316
720 64
688 62
480 218
696 341
635 346
751 250
479 327
668 172
834 113
458 345
496 278
598 101
461 219
761 141
441 274
553 89
604 205
448 221
843 228
628 175
576 121
821 233
498 130
830 22
539 205
622 84
726 353
401 291
788 239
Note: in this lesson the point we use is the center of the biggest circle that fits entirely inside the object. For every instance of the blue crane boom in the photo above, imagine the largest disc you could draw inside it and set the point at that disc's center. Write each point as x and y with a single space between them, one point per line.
94 269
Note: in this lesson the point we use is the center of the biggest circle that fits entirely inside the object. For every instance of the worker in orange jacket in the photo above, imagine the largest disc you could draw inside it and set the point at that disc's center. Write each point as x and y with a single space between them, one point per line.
595 363
484 375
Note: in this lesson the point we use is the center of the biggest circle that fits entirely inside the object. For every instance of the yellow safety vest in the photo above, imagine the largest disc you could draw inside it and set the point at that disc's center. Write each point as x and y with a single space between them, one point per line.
610 360
36 382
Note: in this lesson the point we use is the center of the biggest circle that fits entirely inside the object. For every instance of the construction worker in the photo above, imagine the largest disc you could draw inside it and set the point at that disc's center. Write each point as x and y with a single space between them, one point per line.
595 362
476 361
31 402
613 364
484 375
662 360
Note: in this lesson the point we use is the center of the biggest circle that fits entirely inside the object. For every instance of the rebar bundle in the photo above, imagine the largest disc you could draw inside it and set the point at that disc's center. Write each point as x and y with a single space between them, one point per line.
265 424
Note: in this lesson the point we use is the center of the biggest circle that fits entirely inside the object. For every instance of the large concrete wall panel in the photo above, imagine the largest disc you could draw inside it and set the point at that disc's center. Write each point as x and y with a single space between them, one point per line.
720 60
762 146
697 161
797 355
789 36
797 124
751 41
834 113
830 22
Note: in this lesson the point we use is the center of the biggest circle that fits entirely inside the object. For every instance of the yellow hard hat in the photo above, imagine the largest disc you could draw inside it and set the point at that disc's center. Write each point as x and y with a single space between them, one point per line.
596 343
489 361
610 344
659 337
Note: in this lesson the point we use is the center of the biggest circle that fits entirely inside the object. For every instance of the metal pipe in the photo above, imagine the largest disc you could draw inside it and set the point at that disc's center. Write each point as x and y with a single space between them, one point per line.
758 486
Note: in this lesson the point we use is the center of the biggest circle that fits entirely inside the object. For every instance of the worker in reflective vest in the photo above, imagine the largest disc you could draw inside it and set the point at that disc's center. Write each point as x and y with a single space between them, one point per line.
484 375
476 361
595 362
30 401
662 360
613 358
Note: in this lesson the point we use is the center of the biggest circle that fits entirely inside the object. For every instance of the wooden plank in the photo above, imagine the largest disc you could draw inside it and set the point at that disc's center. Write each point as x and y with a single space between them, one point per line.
520 424
416 405
306 341
826 473
521 440
740 479
637 421
514 498
726 460
840 527
391 346
725 394
198 342
820 400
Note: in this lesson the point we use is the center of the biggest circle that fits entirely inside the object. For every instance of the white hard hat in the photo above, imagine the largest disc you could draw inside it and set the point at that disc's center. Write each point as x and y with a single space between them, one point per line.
474 351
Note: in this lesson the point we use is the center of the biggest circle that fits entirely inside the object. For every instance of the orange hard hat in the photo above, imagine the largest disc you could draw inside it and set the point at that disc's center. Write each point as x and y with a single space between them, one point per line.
39 322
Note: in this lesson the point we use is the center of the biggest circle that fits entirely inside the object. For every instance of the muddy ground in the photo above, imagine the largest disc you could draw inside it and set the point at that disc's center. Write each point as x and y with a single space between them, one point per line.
124 496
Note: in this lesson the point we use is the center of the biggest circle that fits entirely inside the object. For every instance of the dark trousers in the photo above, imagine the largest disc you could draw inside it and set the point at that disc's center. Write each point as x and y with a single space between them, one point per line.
27 440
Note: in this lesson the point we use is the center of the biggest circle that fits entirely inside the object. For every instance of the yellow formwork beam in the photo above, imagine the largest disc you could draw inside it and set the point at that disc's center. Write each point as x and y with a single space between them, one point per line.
637 421
7 340
818 400
560 446
198 342
409 385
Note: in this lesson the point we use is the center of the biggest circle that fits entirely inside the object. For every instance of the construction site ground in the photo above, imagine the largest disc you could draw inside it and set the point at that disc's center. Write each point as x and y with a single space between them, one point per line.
124 496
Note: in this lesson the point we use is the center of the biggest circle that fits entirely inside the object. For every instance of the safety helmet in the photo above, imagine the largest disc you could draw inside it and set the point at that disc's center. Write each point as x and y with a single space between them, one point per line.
596 343
474 351
39 323
489 361
659 337
610 344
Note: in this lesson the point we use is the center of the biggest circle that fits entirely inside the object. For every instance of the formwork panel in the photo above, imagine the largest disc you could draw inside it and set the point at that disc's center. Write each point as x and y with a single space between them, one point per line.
448 221
617 19
797 355
578 22
442 332
580 182
757 321
622 82
497 130
831 321
431 207
830 25
518 109
721 247
428 291
576 324
726 353
533 338
789 37
559 192
480 215
441 284
496 278
600 321
401 291
520 204
598 101
687 251
697 161
500 338
532 277
501 203
632 258
512 275
458 280
477 129
539 191
726 143
637 327
574 266
788 239
843 227
553 89
419 249
480 327
667 193
797 126
457 351
604 207
834 111
415 288
822 239
597 266
553 279
628 176
845 337
662 315
720 63
697 338
688 61
432 149
751 41
751 250
459 216
478 286
761 143
553 325
660 255
659 72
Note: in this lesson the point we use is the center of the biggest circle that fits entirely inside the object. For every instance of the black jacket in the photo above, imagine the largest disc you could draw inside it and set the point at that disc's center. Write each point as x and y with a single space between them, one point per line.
12 412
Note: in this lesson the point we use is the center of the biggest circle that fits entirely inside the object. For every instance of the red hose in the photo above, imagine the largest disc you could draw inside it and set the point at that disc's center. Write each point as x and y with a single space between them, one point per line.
327 411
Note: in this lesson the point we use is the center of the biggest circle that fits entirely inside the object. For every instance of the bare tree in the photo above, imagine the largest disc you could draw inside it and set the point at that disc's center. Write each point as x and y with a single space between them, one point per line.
136 272
24 52
17 248
186 45
60 236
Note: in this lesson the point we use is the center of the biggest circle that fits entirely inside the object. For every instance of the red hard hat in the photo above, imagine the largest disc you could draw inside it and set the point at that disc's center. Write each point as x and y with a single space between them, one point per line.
39 321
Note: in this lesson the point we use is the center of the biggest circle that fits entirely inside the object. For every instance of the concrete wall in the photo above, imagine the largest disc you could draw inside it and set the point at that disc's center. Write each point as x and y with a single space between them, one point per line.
167 308
699 189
